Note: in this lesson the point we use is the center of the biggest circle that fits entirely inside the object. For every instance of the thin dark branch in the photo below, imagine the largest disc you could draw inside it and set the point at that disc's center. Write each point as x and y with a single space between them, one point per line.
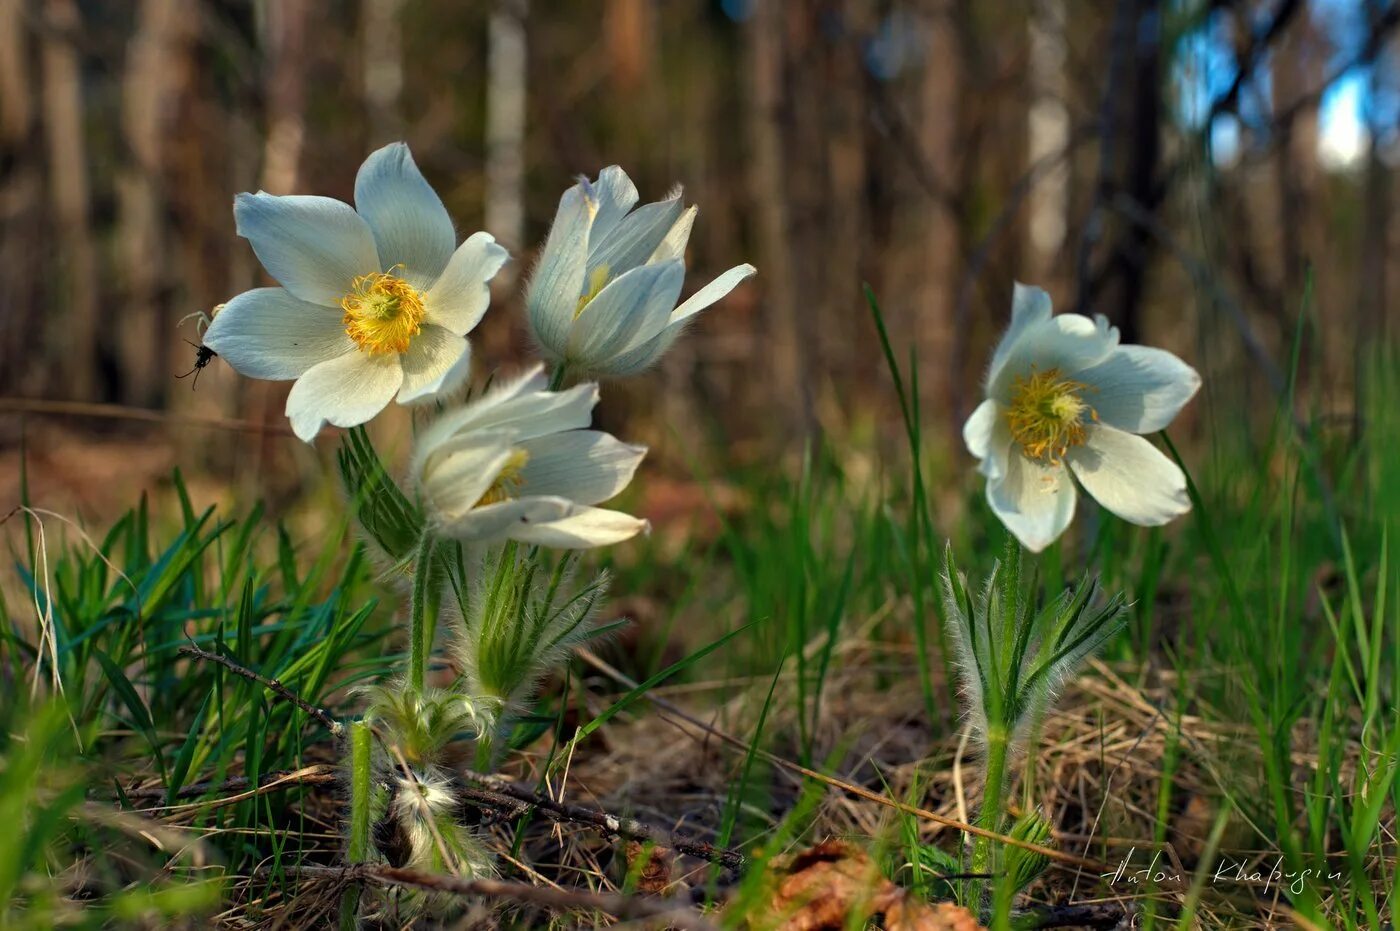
1258 45
500 793
272 685
620 906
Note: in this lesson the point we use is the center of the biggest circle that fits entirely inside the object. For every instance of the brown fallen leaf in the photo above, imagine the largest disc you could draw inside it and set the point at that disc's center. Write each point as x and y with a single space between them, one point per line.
654 876
821 889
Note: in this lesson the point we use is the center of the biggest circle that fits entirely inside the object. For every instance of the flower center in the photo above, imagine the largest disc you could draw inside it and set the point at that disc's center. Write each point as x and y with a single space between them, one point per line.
597 280
1047 415
382 312
509 482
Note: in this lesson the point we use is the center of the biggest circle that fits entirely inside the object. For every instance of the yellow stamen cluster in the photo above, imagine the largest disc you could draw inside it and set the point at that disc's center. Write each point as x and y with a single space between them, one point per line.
1047 415
508 483
382 313
596 282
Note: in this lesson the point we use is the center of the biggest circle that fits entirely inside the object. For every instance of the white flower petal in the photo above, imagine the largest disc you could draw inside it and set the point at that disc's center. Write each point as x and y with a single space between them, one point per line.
642 356
437 362
636 237
1130 477
455 477
268 333
585 527
410 225
558 282
543 413
677 238
629 311
521 415
1029 306
1034 501
615 194
977 432
503 520
345 391
587 466
314 246
712 292
461 295
1140 389
1070 343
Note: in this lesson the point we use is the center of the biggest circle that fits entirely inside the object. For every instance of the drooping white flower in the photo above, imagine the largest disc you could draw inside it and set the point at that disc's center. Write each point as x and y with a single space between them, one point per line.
376 299
603 300
518 464
1063 397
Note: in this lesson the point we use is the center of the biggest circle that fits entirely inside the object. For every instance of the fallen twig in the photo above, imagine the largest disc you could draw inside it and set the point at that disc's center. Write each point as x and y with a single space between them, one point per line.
619 906
272 685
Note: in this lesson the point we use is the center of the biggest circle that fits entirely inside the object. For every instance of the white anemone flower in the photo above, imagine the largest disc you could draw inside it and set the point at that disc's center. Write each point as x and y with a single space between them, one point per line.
518 464
1063 397
603 300
376 299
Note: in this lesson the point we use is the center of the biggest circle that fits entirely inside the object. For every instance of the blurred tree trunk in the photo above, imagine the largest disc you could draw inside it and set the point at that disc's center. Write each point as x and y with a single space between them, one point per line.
16 101
152 85
285 45
1297 71
1130 154
507 73
382 45
72 336
916 276
791 316
1047 143
21 203
1372 299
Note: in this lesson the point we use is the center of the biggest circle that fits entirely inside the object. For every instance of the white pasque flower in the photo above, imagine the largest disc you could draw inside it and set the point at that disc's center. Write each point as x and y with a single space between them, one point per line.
1064 397
376 299
518 464
603 300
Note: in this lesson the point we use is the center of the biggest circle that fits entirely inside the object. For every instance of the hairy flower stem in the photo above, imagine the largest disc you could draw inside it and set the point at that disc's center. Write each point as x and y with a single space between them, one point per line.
358 849
419 635
993 788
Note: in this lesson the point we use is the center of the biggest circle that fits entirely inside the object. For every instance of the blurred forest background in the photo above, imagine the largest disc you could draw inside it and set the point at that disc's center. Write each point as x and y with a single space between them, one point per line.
1210 174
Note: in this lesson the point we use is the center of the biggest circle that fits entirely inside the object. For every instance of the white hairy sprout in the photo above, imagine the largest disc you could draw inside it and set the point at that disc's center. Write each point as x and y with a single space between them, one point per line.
426 806
1012 658
423 725
520 623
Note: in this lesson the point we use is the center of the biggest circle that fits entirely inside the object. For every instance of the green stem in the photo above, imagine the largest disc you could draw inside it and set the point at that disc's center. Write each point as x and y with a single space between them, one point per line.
358 848
360 744
418 638
556 380
989 818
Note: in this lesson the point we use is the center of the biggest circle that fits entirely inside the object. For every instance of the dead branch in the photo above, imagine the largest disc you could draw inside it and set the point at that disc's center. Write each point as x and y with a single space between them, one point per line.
272 685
